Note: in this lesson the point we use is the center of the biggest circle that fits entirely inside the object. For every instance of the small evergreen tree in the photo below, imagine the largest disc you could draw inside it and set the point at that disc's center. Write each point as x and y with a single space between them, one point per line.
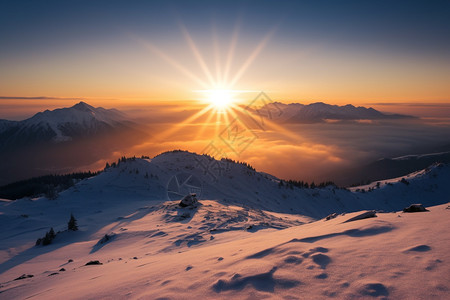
51 233
46 240
51 192
404 181
72 224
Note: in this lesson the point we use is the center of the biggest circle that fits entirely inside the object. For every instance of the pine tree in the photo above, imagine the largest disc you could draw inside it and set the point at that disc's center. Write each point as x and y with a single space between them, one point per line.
72 224
51 192
280 184
46 240
51 233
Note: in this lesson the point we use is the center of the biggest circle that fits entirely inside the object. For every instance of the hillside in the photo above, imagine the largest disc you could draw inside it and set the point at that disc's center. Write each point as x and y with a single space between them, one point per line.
248 237
391 167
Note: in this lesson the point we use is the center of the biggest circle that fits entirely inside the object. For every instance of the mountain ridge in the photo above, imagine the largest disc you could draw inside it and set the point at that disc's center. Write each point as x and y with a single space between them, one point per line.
59 125
320 112
235 183
63 140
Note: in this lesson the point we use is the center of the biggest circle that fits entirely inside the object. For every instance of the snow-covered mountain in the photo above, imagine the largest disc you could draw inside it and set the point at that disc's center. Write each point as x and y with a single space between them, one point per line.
60 125
319 112
64 140
391 167
248 237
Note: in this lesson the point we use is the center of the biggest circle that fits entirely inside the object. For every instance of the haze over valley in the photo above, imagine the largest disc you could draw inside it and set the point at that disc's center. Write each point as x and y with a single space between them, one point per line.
316 142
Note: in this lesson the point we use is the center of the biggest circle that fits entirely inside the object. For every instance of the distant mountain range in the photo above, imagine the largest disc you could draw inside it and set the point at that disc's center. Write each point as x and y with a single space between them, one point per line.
63 140
321 112
74 138
60 125
390 168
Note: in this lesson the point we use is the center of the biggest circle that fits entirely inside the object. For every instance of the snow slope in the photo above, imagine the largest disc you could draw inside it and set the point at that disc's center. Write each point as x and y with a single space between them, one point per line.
244 240
392 167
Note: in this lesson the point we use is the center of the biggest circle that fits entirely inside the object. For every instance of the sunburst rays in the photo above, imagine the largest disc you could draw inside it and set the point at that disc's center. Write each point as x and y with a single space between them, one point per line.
221 80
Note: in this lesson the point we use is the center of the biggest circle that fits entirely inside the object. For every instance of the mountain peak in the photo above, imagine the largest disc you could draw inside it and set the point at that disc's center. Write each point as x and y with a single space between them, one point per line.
83 106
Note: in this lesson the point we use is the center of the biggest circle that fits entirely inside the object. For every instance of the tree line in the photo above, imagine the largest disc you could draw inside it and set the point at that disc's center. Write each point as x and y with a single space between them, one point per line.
47 185
304 185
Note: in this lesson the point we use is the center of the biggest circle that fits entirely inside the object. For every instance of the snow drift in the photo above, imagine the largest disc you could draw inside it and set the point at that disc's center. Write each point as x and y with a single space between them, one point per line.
248 237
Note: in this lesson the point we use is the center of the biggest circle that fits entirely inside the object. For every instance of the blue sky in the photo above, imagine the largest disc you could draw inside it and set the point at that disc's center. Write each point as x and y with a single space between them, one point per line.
40 38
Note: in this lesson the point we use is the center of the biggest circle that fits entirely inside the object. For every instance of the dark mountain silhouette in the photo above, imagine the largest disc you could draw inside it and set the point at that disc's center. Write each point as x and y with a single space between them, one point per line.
386 168
60 125
320 112
63 140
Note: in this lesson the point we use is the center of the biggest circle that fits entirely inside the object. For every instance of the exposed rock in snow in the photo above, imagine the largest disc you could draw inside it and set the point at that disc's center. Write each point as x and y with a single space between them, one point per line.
189 200
331 216
364 215
415 208
93 262
24 276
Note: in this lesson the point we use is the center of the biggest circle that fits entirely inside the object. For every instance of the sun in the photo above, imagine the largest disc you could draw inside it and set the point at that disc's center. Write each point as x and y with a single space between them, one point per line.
220 99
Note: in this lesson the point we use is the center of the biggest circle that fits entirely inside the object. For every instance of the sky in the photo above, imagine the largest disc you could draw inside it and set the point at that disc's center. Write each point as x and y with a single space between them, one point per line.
149 52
